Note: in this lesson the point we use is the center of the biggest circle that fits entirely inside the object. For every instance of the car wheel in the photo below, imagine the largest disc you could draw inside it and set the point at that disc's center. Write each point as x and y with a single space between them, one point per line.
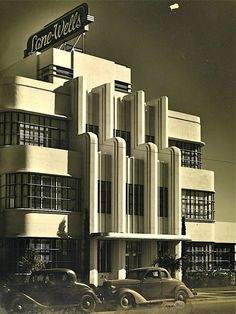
18 306
126 301
87 303
181 296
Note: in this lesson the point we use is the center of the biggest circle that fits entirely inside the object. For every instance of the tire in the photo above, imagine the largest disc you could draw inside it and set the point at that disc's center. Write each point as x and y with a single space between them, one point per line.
181 296
87 303
126 301
19 305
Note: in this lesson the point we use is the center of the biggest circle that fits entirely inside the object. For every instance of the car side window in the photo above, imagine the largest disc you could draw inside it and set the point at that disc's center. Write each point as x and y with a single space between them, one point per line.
164 274
152 275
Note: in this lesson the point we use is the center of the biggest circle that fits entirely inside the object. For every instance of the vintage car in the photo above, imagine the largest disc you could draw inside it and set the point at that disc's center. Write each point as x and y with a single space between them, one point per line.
50 290
144 285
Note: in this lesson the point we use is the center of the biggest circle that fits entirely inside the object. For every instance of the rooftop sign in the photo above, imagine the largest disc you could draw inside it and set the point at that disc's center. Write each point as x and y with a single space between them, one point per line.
66 27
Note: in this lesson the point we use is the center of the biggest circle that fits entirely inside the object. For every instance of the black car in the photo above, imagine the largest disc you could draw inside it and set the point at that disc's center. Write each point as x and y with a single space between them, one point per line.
143 286
50 289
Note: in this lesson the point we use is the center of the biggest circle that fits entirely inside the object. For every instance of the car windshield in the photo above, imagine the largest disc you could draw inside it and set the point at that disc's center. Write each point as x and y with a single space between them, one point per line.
136 274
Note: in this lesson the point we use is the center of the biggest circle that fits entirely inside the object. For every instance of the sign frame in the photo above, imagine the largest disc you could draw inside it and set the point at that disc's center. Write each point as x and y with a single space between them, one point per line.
60 30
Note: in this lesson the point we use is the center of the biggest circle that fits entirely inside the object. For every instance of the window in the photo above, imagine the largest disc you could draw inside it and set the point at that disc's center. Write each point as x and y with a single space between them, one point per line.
198 205
149 138
209 256
133 255
126 136
163 194
92 128
190 153
53 252
134 199
104 197
17 128
39 191
104 256
122 87
47 73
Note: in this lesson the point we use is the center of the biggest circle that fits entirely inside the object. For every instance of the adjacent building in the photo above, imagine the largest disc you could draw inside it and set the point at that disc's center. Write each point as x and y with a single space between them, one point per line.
95 177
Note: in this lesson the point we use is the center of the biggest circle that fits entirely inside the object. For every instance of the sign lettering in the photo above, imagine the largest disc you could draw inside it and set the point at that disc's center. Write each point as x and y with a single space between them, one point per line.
60 30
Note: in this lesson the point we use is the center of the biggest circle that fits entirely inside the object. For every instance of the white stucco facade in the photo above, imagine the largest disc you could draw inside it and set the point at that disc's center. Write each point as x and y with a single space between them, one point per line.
137 161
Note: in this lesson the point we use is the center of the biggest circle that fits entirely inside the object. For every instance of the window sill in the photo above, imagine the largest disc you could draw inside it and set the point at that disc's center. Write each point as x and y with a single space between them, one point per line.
46 211
199 220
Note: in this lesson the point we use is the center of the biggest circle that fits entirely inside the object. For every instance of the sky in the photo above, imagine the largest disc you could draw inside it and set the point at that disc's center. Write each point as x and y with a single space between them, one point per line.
187 54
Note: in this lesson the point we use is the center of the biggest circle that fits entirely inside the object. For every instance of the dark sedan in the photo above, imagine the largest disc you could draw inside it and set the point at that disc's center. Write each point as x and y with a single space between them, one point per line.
50 289
145 285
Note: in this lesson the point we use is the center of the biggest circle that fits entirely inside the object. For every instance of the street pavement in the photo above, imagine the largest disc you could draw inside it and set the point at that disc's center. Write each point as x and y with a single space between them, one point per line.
221 300
217 300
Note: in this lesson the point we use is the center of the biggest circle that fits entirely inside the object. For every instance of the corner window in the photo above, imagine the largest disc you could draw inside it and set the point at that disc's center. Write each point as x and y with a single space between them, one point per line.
190 153
18 128
39 191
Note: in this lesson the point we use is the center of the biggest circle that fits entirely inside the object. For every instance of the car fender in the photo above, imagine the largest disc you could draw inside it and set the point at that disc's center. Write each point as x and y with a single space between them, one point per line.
27 298
186 289
77 295
139 299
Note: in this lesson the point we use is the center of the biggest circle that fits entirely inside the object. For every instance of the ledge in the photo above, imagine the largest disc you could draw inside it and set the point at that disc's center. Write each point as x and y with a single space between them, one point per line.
140 236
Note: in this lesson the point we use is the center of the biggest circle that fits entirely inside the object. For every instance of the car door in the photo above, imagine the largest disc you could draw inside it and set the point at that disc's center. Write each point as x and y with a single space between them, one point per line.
168 285
151 285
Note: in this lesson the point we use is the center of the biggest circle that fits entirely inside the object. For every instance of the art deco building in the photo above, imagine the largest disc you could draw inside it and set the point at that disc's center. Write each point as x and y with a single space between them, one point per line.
95 177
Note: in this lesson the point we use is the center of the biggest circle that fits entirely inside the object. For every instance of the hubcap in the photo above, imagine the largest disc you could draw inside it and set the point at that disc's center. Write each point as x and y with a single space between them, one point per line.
125 301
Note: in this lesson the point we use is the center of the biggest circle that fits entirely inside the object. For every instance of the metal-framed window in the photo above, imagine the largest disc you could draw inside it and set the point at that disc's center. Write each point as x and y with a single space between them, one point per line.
190 153
53 252
92 128
40 191
198 205
209 256
149 138
104 197
126 136
134 199
104 256
163 195
18 128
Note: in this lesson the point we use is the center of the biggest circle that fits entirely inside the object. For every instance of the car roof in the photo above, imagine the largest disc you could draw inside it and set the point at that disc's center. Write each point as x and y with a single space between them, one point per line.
54 270
148 269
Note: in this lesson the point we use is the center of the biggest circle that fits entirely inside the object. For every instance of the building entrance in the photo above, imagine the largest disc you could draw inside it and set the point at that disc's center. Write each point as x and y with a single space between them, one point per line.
133 254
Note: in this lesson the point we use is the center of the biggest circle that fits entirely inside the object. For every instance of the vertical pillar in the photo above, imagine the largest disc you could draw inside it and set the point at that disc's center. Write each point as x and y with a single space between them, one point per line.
118 259
105 111
78 105
93 272
137 118
176 250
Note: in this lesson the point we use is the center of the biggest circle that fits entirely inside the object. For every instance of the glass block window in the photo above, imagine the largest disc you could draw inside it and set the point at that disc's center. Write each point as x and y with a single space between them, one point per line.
198 205
104 256
163 194
134 199
190 153
18 128
40 191
126 136
104 197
